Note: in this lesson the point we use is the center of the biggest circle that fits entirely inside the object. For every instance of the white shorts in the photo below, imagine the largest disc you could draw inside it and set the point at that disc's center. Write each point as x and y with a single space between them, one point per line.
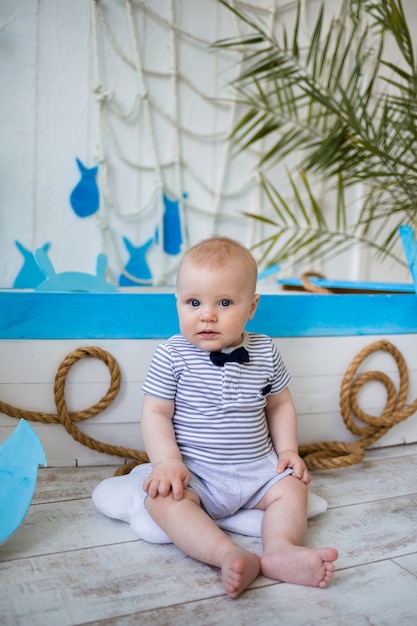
223 489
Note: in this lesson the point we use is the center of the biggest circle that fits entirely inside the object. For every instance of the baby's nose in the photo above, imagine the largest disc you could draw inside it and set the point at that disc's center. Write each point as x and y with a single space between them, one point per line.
208 313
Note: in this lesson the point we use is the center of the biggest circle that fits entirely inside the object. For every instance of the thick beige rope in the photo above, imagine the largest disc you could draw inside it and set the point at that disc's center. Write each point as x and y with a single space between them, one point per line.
325 455
309 286
68 419
335 454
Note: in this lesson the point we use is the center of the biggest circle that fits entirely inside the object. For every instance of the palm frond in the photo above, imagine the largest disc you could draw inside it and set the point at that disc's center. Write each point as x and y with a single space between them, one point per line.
347 112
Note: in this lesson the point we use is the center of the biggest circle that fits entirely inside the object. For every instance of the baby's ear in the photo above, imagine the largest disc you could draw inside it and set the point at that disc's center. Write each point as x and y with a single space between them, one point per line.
254 305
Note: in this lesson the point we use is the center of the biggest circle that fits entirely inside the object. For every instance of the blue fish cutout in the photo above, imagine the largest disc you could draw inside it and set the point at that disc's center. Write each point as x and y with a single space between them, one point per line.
30 275
137 265
410 250
73 281
85 197
20 456
172 226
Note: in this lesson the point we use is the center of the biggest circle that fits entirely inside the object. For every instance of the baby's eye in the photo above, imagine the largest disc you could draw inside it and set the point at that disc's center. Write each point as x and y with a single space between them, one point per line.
225 302
194 303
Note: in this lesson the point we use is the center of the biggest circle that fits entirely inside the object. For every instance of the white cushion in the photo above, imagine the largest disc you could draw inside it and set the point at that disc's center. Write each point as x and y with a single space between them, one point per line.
122 498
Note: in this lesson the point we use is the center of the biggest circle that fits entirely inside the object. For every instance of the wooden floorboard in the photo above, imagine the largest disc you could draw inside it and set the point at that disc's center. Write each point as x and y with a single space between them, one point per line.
67 564
369 601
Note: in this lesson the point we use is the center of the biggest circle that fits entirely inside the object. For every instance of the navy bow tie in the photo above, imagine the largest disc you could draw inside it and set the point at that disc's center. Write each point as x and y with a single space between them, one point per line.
240 355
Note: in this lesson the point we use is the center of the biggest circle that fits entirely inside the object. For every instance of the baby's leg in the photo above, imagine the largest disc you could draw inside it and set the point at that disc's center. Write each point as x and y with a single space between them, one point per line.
283 529
196 534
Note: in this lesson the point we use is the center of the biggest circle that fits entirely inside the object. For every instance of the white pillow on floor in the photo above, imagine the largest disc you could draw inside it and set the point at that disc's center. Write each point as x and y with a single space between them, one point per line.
121 497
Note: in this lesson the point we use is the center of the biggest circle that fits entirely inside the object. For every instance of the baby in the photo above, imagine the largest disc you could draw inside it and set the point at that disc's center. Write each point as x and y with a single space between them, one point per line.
220 429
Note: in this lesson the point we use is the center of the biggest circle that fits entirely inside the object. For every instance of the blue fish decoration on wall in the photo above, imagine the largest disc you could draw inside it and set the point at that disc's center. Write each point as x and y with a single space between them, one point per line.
30 275
20 456
73 281
85 197
172 226
137 265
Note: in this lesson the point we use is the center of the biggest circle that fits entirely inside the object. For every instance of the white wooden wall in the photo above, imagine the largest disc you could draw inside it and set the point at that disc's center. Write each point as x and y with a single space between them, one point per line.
317 365
50 115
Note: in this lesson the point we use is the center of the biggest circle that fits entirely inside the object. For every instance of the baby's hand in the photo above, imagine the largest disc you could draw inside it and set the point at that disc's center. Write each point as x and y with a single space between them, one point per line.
290 458
165 477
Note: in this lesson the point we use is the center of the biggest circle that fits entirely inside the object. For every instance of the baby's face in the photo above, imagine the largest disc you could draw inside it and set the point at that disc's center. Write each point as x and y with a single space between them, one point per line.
214 305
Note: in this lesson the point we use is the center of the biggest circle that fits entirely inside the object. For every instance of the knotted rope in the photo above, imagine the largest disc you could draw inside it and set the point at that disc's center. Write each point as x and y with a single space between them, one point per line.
325 455
335 454
68 419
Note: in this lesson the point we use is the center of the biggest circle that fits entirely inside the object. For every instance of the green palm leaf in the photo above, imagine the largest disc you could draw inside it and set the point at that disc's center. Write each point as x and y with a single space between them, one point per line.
347 112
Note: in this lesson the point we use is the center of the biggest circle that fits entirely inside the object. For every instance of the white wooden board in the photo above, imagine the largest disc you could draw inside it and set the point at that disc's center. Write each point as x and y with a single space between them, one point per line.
317 365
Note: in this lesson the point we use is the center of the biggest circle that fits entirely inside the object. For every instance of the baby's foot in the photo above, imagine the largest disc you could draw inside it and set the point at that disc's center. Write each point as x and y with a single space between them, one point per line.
299 565
239 569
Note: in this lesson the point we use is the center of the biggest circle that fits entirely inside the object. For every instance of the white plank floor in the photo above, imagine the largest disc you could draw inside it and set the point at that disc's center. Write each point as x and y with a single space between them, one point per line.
67 564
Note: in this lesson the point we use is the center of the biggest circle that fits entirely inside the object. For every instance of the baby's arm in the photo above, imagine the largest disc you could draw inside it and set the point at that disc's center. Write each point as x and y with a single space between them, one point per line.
169 473
282 422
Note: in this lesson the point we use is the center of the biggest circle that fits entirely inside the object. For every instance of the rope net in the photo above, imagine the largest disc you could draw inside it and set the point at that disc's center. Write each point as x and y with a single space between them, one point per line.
165 109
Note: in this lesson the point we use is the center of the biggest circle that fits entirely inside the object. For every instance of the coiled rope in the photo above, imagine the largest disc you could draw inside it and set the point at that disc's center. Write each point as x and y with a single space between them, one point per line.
68 419
335 454
325 455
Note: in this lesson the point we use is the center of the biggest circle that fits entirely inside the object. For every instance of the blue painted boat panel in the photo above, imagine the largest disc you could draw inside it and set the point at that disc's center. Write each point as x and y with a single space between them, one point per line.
29 315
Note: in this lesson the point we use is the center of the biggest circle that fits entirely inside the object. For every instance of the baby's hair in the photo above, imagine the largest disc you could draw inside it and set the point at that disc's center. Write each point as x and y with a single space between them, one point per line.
217 252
